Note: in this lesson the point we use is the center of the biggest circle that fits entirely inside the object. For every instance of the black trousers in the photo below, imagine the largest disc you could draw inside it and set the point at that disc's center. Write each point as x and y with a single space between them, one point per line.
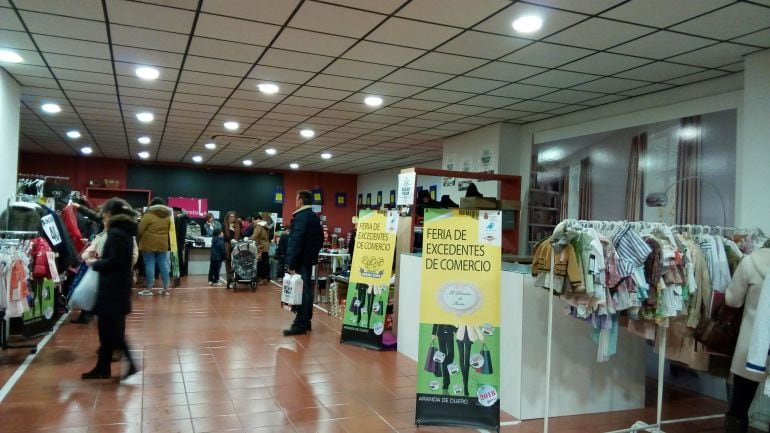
446 344
112 335
305 311
464 348
214 267
743 394
263 266
361 296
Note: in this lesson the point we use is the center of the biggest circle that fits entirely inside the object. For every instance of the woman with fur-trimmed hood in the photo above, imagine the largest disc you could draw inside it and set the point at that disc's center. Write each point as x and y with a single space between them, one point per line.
154 229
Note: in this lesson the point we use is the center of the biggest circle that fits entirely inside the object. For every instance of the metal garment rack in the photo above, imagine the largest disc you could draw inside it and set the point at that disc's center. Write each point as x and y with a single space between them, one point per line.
638 426
16 237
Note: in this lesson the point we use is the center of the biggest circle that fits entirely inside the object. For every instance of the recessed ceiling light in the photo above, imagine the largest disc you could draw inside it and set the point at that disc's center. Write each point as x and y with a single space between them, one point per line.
10 56
528 24
268 88
270 151
307 133
86 150
197 158
373 101
144 155
231 125
50 108
326 155
210 146
294 165
144 140
145 117
247 162
147 73
73 134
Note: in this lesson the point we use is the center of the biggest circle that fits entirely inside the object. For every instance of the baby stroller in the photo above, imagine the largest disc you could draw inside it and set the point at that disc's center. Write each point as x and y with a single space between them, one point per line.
244 265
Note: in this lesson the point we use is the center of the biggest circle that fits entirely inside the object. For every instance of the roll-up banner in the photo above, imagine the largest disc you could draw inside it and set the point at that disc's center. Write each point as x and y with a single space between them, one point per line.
458 377
369 283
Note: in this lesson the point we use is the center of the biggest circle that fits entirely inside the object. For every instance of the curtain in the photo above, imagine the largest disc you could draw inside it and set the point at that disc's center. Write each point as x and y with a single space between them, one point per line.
688 171
584 208
564 201
635 185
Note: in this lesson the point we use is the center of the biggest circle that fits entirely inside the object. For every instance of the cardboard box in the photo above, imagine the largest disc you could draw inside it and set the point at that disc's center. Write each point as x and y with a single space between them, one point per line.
510 204
478 203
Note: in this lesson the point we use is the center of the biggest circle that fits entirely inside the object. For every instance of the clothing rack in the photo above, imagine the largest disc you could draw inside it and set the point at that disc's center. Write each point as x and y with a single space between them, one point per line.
612 226
13 238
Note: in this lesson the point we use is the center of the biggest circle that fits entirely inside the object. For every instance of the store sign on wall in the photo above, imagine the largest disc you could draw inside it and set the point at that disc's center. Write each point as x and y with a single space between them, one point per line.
406 184
193 207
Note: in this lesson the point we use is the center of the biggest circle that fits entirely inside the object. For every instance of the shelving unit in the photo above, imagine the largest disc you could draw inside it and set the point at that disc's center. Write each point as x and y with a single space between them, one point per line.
544 209
137 198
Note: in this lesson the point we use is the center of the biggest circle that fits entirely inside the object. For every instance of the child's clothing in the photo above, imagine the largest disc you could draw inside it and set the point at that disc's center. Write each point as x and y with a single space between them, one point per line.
216 258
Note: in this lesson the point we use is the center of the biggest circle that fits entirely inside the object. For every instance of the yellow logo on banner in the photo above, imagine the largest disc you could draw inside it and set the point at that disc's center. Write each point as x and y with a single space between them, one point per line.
375 244
461 268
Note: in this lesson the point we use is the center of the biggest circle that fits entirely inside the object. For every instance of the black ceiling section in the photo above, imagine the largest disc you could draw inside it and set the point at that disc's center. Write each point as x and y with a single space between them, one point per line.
441 67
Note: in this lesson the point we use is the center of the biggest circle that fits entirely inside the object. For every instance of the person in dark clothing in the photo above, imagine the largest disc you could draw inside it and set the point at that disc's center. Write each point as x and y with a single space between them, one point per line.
113 300
217 256
180 224
305 242
473 191
352 245
280 252
425 201
445 335
231 231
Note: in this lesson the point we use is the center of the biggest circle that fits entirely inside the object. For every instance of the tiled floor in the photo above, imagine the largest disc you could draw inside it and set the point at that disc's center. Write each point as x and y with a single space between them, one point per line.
216 361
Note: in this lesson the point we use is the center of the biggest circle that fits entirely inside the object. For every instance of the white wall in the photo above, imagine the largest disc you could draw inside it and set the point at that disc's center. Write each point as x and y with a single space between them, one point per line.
10 99
463 152
386 180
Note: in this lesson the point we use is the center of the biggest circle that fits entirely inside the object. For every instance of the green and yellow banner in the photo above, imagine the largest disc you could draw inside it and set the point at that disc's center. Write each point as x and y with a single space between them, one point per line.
369 284
458 378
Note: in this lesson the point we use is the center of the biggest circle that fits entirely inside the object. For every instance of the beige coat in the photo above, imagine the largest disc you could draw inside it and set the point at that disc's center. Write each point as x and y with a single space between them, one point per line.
261 236
154 229
97 246
744 291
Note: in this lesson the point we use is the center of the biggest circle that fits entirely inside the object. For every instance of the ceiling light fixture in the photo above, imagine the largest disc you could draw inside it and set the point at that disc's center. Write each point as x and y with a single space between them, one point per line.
307 133
268 88
51 108
10 56
373 101
270 151
210 146
528 24
326 155
144 155
144 140
294 165
197 158
86 150
247 162
231 125
73 134
145 117
147 73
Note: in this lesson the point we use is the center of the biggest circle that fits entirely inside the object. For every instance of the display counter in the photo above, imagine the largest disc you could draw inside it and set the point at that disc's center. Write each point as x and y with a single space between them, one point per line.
198 259
580 384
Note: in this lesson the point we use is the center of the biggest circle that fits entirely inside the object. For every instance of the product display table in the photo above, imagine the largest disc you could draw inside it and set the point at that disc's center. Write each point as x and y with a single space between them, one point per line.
332 258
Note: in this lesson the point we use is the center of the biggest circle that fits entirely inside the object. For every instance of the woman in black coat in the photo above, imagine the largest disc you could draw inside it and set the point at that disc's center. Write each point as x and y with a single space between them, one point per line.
113 301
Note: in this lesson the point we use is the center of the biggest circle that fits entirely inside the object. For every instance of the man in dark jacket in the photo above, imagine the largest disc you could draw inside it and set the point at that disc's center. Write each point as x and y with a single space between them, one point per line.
305 241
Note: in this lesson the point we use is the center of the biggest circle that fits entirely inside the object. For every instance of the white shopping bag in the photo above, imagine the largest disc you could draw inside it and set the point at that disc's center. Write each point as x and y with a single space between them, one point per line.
84 294
291 294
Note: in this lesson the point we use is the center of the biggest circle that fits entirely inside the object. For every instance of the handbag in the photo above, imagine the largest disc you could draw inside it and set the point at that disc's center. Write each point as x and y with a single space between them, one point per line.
720 332
430 364
486 368
353 307
84 294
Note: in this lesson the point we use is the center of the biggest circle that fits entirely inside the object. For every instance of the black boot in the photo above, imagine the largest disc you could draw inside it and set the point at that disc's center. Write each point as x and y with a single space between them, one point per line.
736 425
84 318
95 374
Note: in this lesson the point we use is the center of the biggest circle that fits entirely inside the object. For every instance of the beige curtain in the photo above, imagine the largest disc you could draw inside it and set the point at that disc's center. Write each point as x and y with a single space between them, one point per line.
584 208
688 171
635 185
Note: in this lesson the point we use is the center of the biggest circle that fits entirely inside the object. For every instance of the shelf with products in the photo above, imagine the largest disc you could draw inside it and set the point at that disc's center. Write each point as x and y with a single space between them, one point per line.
137 198
545 205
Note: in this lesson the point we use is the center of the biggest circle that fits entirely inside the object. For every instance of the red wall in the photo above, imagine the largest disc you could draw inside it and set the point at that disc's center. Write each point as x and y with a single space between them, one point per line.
81 169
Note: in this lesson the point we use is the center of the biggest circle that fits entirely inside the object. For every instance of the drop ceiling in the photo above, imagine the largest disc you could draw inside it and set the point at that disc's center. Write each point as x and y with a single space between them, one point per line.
442 67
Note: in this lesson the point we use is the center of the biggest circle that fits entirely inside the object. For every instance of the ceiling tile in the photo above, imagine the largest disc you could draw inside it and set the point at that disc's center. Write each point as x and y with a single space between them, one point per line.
490 101
234 29
158 40
382 53
659 71
587 7
417 104
317 92
734 67
760 38
341 83
146 57
416 77
311 42
451 12
149 16
89 9
262 73
569 96
392 89
715 55
381 6
469 84
414 34
209 79
352 68
546 55
662 13
602 100
523 91
534 117
557 20
79 63
271 11
212 66
647 89
662 44
734 20
335 19
20 40
467 110
610 85
235 51
533 106
447 63
68 46
557 78
568 109
292 60
605 64
698 76
485 45
599 34
54 25
443 95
